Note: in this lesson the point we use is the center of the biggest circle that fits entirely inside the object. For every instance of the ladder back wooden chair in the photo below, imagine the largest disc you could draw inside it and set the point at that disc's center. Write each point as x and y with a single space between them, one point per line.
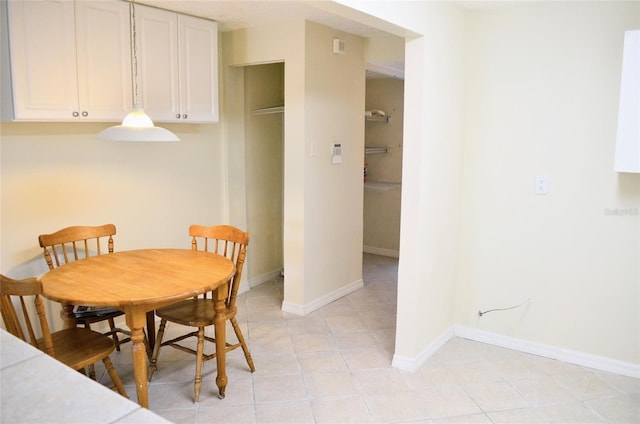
73 243
199 312
75 347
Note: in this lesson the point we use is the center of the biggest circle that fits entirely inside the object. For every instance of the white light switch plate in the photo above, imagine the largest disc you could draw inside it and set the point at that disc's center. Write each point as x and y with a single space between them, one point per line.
542 184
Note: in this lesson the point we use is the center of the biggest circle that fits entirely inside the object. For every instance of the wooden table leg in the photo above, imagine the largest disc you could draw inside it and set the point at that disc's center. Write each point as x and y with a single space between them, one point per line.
136 319
67 316
220 325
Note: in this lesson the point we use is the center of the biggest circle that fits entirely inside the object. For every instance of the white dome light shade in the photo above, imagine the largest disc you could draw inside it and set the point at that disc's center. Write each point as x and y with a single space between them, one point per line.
137 126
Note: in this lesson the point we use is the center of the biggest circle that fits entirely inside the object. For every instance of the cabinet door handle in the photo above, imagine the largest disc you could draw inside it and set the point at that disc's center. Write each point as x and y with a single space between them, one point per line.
75 114
85 113
184 116
178 115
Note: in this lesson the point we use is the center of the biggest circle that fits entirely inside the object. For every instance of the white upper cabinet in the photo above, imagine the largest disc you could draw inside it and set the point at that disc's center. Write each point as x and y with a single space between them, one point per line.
177 66
70 60
103 41
198 59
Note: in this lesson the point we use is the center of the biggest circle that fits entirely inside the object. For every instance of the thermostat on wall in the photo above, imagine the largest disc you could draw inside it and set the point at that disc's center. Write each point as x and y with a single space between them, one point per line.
336 153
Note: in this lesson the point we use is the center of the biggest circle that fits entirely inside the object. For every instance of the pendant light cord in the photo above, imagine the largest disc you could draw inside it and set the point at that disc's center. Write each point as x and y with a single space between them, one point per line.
136 104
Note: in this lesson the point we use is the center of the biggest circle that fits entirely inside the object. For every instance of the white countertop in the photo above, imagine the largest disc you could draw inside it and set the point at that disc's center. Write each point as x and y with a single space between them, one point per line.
35 388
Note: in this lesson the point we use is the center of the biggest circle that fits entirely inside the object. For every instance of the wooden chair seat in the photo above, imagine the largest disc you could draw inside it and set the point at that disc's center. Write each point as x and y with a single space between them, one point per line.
199 312
79 347
75 347
193 312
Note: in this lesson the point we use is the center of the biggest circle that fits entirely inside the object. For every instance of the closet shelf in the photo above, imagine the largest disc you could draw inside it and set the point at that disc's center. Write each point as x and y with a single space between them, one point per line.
268 110
369 150
378 118
380 186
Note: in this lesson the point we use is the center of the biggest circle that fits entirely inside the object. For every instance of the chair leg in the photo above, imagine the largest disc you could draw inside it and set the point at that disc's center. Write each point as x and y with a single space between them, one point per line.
112 327
92 372
92 369
147 346
243 343
153 362
114 376
199 361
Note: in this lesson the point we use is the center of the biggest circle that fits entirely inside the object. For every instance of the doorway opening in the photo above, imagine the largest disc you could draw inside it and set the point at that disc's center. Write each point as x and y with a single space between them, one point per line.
264 168
384 116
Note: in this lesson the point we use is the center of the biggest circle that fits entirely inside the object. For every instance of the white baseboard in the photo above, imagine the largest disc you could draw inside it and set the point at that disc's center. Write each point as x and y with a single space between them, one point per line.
293 308
380 251
565 355
413 364
302 310
259 279
552 352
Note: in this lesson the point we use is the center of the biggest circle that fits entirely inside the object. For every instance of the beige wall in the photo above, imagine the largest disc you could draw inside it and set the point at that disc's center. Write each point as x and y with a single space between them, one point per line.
335 91
55 175
430 178
542 100
381 206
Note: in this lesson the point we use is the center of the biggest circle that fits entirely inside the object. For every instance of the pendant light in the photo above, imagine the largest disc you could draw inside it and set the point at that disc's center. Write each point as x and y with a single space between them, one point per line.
136 126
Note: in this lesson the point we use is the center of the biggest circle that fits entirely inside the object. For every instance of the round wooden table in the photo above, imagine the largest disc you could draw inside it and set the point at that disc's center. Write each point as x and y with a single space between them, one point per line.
139 281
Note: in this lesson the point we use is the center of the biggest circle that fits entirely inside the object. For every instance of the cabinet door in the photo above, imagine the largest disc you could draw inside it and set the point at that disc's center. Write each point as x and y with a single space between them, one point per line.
43 59
198 51
104 60
157 64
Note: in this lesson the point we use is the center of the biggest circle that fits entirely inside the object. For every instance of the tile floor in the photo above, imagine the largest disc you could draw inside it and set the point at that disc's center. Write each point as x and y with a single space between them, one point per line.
333 366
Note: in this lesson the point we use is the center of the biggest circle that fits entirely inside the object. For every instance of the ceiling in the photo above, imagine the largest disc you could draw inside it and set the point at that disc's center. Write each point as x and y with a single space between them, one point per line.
233 15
